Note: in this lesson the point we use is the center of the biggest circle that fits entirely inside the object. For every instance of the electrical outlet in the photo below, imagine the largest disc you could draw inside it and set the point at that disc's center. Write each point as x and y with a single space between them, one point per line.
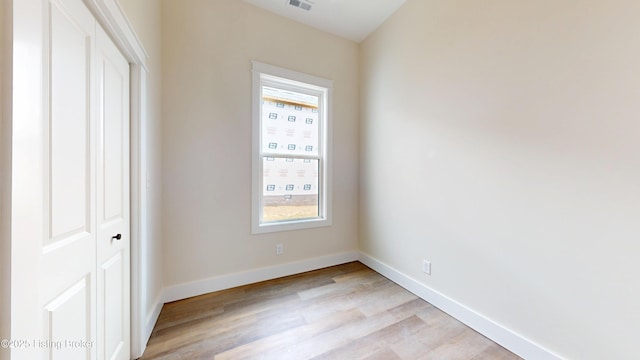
426 267
279 249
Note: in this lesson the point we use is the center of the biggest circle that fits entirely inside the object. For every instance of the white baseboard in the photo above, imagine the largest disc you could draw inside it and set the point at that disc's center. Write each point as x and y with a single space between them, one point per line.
147 328
195 288
152 318
510 340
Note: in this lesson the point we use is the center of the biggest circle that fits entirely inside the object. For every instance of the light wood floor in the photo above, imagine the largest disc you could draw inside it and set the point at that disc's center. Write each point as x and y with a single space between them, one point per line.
342 312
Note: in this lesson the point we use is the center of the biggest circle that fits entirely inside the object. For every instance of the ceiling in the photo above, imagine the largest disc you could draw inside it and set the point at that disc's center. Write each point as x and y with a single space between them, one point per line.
350 19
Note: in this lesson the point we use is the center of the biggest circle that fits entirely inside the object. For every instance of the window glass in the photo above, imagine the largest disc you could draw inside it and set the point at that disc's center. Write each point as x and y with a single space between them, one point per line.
287 127
290 189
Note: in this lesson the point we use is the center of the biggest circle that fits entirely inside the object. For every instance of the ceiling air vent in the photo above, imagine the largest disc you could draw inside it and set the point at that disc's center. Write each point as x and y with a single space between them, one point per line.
300 4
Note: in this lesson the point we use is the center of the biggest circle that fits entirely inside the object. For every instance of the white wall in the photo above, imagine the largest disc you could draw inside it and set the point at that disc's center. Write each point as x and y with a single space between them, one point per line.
146 18
5 178
207 51
500 141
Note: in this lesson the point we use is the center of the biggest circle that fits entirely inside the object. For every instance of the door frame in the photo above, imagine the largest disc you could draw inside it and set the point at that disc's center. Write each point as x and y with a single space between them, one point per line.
110 15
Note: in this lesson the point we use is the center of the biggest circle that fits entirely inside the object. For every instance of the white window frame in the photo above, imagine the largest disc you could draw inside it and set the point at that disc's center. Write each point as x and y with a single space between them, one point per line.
269 74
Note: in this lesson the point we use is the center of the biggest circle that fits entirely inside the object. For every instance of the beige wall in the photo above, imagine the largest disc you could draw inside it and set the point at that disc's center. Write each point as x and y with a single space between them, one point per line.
145 17
207 51
500 141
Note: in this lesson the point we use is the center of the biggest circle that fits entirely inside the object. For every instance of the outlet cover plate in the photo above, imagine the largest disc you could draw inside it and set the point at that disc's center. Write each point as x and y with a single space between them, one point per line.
426 267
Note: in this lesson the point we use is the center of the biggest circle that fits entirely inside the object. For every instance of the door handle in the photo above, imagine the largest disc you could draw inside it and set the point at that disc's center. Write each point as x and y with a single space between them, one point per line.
117 237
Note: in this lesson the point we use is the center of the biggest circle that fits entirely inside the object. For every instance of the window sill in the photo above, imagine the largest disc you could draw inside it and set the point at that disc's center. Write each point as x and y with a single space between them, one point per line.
290 225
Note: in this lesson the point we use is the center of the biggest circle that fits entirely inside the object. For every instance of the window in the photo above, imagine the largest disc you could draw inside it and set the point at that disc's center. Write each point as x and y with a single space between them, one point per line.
291 159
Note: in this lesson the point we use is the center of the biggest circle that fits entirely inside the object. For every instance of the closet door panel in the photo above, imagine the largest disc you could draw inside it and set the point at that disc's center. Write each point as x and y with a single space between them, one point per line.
113 200
67 267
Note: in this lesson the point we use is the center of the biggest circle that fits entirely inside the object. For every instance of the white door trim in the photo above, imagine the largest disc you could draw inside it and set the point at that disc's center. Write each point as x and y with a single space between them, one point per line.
110 15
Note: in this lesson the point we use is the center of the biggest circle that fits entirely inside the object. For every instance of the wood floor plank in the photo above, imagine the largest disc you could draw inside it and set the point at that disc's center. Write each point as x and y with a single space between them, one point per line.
439 330
375 342
466 345
287 342
384 354
342 312
343 335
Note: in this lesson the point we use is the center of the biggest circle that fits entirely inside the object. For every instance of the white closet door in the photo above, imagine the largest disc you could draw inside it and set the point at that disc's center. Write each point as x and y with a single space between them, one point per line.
67 269
83 287
113 200
67 285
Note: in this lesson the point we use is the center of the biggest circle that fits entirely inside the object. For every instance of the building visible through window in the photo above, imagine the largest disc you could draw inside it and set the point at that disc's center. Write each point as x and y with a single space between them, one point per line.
291 167
300 182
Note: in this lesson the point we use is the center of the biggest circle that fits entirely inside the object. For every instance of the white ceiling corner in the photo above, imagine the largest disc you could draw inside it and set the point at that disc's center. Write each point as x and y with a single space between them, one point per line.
350 19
